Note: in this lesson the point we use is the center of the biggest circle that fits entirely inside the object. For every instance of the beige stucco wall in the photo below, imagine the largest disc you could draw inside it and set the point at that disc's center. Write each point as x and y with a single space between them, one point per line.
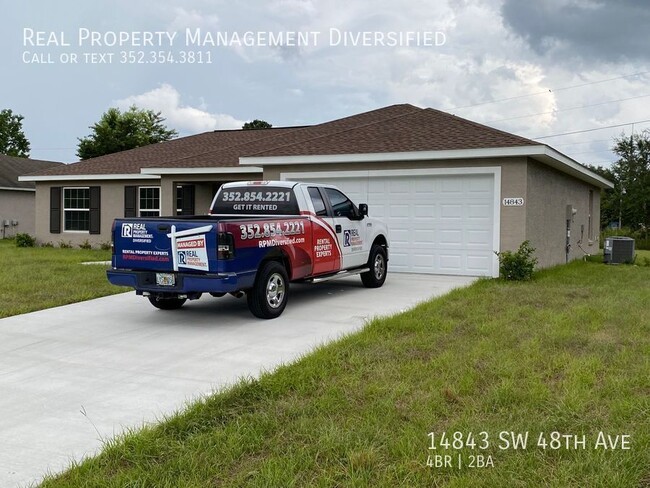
112 203
549 193
112 206
17 205
203 189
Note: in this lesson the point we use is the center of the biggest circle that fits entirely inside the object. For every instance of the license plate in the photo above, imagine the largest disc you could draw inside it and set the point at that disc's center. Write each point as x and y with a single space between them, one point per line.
165 279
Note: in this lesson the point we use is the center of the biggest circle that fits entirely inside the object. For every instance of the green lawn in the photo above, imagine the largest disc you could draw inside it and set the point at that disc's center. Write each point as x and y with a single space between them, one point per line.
568 352
37 278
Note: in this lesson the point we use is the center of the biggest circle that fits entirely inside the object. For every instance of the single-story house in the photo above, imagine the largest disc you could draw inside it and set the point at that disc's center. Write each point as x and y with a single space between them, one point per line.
451 190
17 198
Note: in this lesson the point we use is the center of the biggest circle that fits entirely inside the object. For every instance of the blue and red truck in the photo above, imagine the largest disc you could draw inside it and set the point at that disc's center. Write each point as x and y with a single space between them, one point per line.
257 238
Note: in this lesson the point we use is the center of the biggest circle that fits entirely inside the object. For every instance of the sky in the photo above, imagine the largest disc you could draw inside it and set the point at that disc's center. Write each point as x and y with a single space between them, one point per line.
573 74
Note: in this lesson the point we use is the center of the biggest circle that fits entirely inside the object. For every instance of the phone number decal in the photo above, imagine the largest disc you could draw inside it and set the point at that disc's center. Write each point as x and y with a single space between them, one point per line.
256 196
272 229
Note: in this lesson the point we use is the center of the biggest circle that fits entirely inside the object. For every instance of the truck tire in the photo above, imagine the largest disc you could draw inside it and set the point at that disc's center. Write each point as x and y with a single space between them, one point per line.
378 267
270 293
167 303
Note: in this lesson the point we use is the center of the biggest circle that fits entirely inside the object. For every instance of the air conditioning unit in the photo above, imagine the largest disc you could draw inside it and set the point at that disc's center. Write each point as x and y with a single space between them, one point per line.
618 250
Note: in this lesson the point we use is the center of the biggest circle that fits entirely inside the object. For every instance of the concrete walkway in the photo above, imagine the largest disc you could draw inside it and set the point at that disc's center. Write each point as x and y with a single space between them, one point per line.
74 375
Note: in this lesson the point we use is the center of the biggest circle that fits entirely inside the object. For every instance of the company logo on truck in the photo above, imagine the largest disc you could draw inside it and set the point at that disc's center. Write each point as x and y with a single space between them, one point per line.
137 232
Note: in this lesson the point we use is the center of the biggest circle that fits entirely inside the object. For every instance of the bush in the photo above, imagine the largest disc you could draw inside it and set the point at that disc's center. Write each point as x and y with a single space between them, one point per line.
105 246
519 265
65 244
640 236
47 244
25 240
86 245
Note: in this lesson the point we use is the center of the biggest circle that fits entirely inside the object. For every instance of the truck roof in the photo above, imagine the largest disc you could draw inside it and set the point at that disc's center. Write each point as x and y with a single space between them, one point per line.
277 184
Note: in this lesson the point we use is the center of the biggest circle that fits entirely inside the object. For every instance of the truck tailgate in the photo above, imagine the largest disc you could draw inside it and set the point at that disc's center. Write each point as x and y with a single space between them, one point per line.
165 245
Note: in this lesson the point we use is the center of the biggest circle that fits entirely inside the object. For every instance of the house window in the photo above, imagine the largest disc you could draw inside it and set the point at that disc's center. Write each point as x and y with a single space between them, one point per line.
76 209
149 201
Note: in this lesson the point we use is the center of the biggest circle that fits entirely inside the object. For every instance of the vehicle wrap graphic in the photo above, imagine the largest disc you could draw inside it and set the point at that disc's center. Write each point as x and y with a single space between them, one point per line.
189 249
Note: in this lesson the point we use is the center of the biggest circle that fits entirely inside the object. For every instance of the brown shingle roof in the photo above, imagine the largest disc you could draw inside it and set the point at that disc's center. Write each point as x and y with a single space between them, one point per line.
12 167
396 128
421 130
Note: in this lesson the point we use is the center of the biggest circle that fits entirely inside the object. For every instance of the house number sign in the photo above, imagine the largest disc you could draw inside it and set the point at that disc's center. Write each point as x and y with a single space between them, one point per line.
513 202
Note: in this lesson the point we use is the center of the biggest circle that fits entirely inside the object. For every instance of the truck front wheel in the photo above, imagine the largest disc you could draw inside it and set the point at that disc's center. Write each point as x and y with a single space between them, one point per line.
167 303
270 293
378 265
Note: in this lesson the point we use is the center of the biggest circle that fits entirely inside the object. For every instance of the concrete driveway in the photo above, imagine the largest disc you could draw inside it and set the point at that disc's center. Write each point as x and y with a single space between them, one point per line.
74 375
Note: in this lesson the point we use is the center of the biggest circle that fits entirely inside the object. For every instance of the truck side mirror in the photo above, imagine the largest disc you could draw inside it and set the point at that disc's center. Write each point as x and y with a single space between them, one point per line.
363 209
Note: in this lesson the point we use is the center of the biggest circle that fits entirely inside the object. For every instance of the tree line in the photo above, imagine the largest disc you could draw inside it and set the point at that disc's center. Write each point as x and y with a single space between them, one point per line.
115 131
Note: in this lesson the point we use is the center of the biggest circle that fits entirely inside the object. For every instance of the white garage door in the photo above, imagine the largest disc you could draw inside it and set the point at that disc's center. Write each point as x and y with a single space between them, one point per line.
439 224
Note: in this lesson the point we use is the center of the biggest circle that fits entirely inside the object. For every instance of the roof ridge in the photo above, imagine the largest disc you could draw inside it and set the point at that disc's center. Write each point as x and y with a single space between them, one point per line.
345 130
297 129
240 143
477 124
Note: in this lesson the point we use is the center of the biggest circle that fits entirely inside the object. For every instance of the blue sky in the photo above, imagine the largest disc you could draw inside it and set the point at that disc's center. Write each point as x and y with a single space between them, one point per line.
532 68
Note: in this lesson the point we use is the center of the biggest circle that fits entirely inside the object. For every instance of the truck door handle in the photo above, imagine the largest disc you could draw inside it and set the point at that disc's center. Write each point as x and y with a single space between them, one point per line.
163 228
338 228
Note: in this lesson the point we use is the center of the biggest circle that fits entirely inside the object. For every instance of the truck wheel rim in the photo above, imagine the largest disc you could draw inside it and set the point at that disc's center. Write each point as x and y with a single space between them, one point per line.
275 290
379 266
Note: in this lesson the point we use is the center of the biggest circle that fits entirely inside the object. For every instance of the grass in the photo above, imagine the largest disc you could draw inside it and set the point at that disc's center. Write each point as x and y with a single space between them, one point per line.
568 352
34 278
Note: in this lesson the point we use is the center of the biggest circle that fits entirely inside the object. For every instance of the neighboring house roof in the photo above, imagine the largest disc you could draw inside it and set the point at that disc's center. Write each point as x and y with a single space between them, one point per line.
12 167
396 132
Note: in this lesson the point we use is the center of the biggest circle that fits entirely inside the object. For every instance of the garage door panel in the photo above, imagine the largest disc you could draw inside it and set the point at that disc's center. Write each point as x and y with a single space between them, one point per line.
451 211
437 224
425 211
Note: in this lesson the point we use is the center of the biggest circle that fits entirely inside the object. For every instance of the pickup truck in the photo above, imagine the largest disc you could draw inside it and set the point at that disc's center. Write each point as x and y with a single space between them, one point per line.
257 238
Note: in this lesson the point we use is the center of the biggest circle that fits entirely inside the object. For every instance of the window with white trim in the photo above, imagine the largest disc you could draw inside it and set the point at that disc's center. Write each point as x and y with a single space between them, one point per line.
76 209
149 201
179 199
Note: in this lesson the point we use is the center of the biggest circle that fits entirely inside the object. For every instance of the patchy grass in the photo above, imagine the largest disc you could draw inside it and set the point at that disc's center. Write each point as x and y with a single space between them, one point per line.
34 278
567 352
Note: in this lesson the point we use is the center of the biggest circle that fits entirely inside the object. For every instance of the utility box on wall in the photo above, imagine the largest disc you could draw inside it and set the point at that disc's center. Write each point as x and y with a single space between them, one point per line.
618 250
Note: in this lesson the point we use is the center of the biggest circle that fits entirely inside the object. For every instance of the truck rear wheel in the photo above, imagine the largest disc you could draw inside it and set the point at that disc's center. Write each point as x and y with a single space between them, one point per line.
378 267
268 297
167 303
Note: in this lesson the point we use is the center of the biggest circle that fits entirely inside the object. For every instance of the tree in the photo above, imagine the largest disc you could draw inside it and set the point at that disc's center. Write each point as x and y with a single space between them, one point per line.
632 172
118 131
609 199
12 138
256 124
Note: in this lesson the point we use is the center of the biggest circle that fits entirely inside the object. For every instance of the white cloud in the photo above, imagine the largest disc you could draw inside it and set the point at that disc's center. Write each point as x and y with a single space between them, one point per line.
167 100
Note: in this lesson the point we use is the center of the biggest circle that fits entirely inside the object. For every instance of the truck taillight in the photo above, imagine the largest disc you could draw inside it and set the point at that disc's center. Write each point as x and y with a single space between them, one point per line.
225 246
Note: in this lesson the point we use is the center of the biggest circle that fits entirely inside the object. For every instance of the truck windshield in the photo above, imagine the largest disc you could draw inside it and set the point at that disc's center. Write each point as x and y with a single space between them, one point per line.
257 200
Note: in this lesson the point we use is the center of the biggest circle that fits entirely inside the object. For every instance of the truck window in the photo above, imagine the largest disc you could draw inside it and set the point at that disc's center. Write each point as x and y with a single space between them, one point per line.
255 200
317 201
341 205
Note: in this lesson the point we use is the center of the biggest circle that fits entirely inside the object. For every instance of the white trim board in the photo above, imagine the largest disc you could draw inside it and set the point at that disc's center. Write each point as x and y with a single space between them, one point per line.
101 177
495 171
541 152
195 171
11 188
